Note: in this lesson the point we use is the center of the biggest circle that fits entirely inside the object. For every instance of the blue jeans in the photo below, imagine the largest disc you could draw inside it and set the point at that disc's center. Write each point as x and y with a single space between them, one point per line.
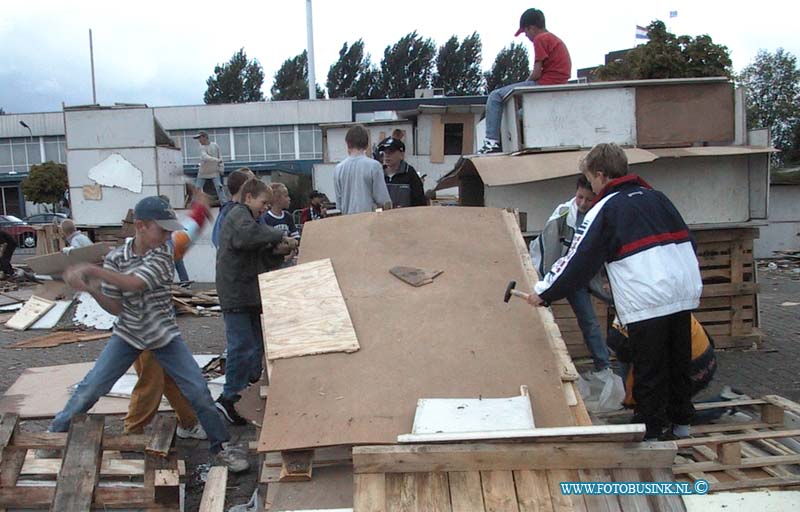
180 268
494 108
200 182
581 303
245 352
178 363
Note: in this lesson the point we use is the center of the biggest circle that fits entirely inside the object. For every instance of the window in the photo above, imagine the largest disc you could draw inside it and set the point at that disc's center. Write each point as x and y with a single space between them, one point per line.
453 138
55 149
19 154
310 142
264 143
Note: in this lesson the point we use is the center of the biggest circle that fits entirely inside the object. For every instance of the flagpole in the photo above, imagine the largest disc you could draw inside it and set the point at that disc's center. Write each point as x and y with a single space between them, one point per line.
91 57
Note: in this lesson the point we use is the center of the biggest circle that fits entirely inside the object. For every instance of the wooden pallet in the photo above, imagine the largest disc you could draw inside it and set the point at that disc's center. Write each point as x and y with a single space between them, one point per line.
90 474
728 307
762 451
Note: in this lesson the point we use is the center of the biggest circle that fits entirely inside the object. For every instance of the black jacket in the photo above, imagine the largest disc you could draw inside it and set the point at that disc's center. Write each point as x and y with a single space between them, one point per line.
407 175
243 244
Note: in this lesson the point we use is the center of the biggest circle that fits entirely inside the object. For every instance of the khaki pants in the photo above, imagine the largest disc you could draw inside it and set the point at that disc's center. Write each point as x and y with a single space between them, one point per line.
146 396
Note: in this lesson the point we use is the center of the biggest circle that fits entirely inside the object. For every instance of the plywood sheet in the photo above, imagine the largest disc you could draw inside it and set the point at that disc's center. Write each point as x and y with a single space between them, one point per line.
454 339
684 114
33 310
304 312
29 398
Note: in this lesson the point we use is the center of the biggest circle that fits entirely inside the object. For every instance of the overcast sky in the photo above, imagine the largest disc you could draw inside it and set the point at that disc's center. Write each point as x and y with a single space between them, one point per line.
161 53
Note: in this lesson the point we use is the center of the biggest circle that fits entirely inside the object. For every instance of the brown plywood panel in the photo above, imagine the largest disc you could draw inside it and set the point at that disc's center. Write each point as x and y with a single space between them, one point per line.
304 312
437 139
454 338
670 115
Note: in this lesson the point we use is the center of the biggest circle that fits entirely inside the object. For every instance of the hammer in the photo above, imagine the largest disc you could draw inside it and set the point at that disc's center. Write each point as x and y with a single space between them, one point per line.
511 291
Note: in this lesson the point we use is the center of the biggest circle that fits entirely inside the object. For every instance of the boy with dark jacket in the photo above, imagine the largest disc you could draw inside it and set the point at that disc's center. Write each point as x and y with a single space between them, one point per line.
404 184
240 258
655 279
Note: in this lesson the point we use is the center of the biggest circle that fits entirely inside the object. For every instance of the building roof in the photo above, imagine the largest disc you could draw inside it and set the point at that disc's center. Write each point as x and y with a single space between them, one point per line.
404 104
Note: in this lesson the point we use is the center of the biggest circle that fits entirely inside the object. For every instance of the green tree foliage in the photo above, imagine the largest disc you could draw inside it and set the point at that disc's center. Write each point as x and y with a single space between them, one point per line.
291 80
458 66
668 56
353 75
772 89
237 81
407 66
46 183
510 66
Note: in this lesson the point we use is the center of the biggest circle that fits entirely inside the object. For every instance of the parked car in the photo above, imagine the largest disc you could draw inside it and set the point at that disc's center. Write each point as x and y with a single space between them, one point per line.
46 218
25 234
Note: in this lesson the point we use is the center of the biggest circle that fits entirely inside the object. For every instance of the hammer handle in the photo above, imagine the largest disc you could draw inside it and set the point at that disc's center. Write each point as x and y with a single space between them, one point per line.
521 295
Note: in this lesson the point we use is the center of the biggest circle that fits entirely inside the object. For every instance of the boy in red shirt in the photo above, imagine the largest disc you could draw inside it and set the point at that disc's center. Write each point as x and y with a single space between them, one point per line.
552 66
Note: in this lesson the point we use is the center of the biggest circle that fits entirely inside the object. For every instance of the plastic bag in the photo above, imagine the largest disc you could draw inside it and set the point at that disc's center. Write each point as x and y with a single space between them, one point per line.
602 391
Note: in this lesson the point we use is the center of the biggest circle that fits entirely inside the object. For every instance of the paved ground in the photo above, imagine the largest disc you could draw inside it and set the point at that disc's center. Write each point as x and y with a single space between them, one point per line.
774 369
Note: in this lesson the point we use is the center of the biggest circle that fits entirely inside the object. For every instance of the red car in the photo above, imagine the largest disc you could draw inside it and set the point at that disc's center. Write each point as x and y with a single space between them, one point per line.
18 228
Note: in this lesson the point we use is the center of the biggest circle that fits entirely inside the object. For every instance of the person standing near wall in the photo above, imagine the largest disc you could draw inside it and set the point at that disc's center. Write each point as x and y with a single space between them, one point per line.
211 165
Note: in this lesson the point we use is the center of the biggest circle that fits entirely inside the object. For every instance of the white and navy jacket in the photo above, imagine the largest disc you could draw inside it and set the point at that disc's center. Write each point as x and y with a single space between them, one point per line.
646 247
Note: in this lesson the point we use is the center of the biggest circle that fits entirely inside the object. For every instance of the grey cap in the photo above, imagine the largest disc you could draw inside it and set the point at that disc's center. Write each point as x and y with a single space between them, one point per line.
199 134
156 209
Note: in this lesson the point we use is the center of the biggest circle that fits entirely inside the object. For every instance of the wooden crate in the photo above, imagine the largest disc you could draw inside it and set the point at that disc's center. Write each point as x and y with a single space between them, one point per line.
91 473
728 307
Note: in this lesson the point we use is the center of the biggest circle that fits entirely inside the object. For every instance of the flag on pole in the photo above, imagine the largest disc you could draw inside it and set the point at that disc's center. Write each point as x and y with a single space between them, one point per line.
641 32
673 14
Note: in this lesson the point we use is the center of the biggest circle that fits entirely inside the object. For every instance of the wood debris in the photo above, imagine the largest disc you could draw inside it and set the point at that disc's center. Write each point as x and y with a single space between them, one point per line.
190 302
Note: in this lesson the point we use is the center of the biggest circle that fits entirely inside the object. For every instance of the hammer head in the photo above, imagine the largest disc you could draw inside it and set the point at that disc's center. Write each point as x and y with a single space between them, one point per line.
511 286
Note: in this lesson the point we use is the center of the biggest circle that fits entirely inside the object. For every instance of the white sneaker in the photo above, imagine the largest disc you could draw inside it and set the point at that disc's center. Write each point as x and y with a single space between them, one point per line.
235 462
490 146
196 432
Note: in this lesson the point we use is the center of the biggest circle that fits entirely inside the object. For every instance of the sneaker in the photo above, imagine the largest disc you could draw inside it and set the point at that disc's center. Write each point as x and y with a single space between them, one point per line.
196 432
235 461
490 146
226 407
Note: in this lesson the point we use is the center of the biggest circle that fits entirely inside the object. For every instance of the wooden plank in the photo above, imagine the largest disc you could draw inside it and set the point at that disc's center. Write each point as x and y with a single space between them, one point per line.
437 139
727 289
60 338
466 493
41 497
748 462
163 435
666 503
369 494
561 501
771 413
11 461
33 310
756 483
775 434
726 404
499 493
697 430
116 442
729 454
586 433
400 492
783 403
213 499
533 491
110 467
433 492
607 503
631 502
305 312
80 471
297 465
8 426
166 486
474 457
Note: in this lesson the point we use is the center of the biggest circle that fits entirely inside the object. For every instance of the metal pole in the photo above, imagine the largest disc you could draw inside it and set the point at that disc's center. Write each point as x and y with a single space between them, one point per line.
312 82
91 56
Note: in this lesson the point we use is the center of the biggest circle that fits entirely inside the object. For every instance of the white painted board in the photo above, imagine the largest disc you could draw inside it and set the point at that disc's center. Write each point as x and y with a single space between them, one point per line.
455 415
579 118
112 128
51 318
762 501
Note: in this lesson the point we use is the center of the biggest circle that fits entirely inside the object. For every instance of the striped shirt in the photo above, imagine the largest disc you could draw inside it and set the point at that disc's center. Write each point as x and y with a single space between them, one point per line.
147 320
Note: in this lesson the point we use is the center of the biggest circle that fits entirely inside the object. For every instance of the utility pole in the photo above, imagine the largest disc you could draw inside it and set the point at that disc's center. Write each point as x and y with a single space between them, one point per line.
312 82
91 56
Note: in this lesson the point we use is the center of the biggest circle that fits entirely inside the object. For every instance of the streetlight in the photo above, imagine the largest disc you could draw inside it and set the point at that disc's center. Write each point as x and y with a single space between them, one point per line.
28 127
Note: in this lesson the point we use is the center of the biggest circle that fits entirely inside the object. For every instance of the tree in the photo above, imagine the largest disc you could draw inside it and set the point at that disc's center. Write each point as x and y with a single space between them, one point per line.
291 80
46 183
668 56
458 66
510 66
353 75
2 112
772 89
407 66
237 81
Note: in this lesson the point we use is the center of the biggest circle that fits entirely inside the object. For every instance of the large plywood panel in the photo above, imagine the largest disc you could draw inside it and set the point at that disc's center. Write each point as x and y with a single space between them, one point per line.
578 118
79 162
668 115
111 128
454 338
304 312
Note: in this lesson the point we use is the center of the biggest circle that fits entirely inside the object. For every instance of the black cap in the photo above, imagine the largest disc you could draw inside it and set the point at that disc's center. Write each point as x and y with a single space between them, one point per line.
315 194
391 143
156 209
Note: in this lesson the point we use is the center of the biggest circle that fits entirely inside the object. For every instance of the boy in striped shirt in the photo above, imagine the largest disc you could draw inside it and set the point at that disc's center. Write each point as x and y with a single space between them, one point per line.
134 284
